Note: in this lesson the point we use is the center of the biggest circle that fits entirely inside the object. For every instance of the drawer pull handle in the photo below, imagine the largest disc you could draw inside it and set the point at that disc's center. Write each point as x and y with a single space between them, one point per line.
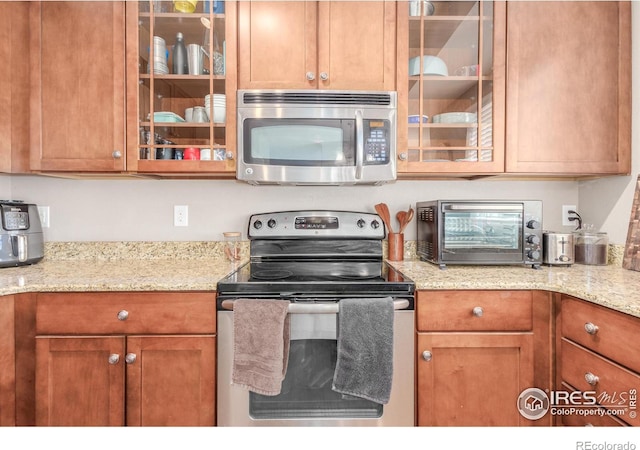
478 311
427 355
591 328
123 315
591 378
114 358
130 358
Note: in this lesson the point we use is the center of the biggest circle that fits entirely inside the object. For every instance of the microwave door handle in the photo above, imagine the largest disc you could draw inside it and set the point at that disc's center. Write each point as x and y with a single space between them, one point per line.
359 144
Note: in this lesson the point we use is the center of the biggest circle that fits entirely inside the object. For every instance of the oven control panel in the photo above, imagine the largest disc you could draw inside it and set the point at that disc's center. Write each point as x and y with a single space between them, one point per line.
303 224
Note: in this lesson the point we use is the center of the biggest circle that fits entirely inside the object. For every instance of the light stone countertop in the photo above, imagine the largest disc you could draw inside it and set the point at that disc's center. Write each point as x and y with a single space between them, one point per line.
86 267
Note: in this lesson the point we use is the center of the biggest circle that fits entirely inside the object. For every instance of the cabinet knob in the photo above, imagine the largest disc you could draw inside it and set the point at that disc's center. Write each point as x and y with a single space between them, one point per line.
591 328
591 378
311 76
403 156
229 155
114 358
117 154
130 358
324 76
427 355
478 311
123 315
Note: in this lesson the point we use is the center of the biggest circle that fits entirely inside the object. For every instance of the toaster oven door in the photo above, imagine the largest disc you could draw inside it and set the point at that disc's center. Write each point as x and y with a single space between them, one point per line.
482 233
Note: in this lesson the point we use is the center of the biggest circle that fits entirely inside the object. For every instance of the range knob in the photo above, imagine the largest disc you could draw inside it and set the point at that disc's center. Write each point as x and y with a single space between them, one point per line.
375 224
533 254
533 239
361 223
271 223
533 224
257 224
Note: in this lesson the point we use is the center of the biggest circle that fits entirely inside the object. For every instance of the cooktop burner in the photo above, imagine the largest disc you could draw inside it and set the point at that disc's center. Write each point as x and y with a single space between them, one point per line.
271 274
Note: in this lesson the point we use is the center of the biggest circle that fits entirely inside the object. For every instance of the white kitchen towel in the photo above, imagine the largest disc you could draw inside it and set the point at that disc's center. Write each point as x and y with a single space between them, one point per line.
364 366
260 344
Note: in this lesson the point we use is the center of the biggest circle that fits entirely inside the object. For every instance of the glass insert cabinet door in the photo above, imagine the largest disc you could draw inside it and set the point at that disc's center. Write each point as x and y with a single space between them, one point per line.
455 87
183 78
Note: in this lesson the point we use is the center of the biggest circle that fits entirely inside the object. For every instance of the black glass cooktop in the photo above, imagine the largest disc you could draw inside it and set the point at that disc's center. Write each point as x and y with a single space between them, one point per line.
316 279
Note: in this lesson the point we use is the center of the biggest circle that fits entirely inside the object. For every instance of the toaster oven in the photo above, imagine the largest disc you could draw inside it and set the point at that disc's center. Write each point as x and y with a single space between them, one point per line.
481 232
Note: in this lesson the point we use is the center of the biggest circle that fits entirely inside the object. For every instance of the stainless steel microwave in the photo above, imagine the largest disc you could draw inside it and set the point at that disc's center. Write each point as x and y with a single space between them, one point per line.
316 137
481 232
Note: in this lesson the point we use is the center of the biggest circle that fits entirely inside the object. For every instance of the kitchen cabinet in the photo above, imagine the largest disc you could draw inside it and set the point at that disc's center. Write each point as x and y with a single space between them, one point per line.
451 88
7 362
138 359
77 102
162 137
14 87
475 355
594 357
568 97
317 45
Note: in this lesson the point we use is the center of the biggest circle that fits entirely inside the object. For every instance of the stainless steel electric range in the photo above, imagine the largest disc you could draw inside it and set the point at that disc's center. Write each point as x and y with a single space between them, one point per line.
314 259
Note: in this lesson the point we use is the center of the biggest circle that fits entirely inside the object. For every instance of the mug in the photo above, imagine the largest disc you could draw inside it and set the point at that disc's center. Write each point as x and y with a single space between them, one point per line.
191 153
188 115
205 154
199 114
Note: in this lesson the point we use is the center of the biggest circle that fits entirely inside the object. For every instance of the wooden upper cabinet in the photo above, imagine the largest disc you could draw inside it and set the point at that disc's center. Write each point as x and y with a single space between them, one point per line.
78 86
317 45
568 87
14 87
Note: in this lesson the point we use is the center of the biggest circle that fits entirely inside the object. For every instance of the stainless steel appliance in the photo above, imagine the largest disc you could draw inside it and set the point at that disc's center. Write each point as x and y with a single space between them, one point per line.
21 239
557 249
316 137
480 232
314 259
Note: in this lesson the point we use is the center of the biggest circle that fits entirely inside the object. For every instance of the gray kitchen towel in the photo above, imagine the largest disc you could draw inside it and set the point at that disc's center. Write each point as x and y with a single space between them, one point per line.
260 344
364 366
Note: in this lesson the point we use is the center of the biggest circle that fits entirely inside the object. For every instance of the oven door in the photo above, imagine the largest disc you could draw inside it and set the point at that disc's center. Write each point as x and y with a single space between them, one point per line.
307 398
482 233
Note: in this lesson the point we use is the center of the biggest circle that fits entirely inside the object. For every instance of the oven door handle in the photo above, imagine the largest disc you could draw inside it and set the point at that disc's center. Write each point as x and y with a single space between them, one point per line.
318 308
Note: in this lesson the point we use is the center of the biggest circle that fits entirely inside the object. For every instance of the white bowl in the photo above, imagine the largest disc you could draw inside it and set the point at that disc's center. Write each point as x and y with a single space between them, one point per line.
432 65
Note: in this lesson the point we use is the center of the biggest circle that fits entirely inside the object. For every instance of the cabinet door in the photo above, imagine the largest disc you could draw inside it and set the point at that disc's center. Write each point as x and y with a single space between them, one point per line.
78 96
171 381
357 45
473 379
451 69
14 87
277 45
569 87
7 362
80 381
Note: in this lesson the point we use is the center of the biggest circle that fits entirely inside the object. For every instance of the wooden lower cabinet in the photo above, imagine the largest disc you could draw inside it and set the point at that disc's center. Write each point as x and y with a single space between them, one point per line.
7 362
474 358
150 360
135 381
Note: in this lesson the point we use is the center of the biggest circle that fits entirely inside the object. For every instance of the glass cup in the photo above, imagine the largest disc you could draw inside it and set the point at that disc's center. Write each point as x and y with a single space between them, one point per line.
232 245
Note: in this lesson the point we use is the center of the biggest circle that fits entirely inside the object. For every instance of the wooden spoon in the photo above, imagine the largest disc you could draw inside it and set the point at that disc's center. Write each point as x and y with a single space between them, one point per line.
383 211
407 219
402 218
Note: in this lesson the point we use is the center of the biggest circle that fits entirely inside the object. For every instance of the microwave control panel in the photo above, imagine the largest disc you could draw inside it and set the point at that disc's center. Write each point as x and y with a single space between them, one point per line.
377 135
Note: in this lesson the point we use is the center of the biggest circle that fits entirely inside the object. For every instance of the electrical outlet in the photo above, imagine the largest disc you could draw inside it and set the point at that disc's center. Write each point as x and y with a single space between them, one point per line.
180 216
565 215
43 212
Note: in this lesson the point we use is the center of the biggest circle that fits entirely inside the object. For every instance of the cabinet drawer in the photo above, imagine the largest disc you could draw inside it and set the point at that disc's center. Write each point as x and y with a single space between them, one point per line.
613 384
612 336
474 311
146 312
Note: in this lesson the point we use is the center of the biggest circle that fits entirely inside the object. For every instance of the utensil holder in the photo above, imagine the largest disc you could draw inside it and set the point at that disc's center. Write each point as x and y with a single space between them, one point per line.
396 246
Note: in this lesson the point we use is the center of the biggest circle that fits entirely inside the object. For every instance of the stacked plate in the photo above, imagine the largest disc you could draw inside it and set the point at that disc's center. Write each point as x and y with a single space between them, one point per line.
160 55
219 106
